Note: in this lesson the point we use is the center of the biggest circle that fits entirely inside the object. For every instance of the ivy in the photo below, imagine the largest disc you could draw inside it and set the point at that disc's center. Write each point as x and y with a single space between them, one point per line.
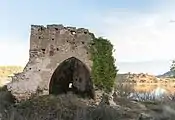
103 69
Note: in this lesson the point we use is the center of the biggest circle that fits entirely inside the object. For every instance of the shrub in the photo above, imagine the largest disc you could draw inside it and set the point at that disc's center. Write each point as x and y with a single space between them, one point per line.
6 99
63 107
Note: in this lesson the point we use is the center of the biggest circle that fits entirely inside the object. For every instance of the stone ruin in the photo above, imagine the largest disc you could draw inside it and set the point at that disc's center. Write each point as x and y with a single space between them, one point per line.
58 57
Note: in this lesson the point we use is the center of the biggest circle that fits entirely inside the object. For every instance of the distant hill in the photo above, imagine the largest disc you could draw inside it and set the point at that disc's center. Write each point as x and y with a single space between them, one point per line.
166 75
144 78
137 78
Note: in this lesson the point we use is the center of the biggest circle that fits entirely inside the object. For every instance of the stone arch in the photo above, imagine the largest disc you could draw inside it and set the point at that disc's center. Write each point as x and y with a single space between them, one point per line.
75 72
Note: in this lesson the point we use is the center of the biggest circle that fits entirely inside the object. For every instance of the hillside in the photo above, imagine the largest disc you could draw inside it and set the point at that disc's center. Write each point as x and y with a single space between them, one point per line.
142 78
167 74
6 71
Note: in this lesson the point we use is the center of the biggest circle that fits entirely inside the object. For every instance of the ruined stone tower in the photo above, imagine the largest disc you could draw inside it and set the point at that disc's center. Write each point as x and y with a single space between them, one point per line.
49 46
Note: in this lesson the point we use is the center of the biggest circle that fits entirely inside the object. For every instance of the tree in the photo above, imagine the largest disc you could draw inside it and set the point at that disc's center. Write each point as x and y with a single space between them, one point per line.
172 68
103 70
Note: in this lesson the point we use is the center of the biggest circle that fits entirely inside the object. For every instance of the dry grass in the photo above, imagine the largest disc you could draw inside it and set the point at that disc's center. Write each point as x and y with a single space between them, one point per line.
5 71
70 107
143 93
63 107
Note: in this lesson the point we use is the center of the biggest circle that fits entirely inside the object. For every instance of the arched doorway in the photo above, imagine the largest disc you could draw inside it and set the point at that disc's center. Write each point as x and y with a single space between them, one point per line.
72 75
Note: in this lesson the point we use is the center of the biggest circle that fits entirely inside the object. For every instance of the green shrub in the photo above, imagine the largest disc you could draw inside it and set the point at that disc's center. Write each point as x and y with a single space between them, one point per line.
103 69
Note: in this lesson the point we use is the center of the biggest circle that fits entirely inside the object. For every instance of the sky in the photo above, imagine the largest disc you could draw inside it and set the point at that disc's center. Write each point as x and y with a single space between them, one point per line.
140 30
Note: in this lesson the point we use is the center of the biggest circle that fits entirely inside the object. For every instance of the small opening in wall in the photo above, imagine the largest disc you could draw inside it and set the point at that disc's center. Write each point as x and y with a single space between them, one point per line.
80 80
75 35
87 53
57 49
56 28
85 32
73 32
39 70
82 42
30 68
70 85
51 53
41 29
52 38
39 37
67 41
43 50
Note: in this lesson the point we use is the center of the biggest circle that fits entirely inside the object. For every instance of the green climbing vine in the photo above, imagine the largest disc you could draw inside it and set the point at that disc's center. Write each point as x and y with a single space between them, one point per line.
103 69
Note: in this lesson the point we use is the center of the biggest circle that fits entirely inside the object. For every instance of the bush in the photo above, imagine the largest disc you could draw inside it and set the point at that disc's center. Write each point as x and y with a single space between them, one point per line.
6 99
103 69
63 107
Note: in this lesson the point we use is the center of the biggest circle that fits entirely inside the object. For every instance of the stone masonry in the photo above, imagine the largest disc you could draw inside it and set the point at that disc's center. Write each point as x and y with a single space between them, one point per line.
49 46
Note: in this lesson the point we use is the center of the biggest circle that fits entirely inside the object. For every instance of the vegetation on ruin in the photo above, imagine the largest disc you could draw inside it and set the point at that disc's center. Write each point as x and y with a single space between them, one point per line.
103 70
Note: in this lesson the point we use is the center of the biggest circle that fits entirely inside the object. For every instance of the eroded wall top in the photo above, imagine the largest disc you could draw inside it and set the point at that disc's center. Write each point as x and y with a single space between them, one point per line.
56 35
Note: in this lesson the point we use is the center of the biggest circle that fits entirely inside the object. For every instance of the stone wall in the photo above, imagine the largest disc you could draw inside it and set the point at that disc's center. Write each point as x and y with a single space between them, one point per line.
49 46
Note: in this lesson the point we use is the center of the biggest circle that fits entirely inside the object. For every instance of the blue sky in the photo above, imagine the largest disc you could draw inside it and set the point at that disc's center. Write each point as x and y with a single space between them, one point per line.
139 29
17 16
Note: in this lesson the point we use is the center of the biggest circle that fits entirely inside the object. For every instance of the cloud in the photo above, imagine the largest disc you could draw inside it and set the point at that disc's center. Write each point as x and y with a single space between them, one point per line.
139 36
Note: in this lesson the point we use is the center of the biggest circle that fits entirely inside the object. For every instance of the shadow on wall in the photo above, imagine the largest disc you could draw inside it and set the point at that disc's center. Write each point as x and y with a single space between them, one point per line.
72 75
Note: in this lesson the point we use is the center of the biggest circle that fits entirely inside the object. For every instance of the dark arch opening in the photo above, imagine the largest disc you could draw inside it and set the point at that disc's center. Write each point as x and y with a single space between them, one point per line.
75 72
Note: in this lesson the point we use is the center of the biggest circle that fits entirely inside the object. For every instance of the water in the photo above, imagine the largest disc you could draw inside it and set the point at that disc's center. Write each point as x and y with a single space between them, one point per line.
156 94
146 92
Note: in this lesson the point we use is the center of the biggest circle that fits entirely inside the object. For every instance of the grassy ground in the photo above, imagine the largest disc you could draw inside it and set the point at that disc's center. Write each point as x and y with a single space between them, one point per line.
71 107
64 107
